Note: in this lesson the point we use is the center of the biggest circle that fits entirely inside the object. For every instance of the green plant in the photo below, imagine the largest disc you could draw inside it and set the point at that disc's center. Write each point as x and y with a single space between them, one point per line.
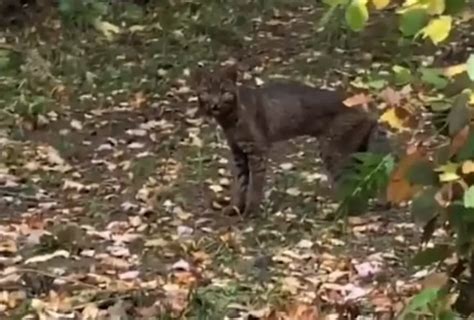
362 180
82 13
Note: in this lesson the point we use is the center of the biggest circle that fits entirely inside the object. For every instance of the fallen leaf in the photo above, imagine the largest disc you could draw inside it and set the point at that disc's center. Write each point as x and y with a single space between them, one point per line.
391 97
399 188
108 29
303 312
448 172
46 257
360 99
398 118
8 246
467 167
452 71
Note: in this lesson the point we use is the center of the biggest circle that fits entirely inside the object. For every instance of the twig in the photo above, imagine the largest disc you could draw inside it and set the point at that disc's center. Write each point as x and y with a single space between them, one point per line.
50 275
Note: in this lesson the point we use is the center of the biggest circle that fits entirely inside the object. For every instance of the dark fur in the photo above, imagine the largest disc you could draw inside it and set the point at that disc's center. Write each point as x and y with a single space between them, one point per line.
253 118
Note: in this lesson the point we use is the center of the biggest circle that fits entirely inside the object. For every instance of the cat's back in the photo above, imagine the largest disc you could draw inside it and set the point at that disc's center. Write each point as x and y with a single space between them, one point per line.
292 92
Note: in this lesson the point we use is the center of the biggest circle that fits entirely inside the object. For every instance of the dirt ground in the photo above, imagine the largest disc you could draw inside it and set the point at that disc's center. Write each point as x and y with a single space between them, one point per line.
110 198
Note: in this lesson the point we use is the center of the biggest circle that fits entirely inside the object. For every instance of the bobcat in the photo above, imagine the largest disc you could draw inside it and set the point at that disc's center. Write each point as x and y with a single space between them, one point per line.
253 118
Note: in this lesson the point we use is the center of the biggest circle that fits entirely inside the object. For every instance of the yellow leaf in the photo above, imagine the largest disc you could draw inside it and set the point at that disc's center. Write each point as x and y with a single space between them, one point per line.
390 117
451 71
436 6
409 3
438 29
448 176
467 167
448 172
380 4
471 99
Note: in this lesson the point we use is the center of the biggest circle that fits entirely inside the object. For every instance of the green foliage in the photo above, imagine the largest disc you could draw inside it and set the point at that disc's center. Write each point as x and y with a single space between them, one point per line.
431 255
433 77
429 19
362 180
469 197
412 21
357 15
441 188
429 304
470 66
82 13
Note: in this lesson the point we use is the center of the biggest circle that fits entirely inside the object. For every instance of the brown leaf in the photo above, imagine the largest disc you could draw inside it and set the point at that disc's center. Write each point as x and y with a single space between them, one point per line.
303 312
391 97
360 99
8 246
399 188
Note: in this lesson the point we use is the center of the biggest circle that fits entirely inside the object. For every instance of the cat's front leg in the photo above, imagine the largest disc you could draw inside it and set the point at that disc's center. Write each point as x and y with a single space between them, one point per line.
257 161
240 183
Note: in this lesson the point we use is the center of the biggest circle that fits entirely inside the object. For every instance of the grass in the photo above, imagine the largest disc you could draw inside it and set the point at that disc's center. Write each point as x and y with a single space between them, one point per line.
102 79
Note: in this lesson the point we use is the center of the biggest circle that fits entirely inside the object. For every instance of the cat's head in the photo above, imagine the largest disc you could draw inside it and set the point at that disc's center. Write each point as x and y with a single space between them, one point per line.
216 91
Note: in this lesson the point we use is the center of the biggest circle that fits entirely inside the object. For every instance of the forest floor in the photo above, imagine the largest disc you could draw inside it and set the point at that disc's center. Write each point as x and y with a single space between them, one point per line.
111 184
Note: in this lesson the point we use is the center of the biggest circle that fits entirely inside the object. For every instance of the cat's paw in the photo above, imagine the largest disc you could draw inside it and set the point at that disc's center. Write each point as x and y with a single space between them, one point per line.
231 211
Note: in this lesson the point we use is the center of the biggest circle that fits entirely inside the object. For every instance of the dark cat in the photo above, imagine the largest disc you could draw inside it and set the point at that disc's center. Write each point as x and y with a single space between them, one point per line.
253 118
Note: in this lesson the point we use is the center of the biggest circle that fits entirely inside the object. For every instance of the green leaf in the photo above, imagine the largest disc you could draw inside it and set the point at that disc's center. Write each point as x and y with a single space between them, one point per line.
402 75
357 15
459 115
422 173
335 2
431 255
458 84
420 301
377 84
470 67
439 106
454 6
468 197
434 77
412 21
424 207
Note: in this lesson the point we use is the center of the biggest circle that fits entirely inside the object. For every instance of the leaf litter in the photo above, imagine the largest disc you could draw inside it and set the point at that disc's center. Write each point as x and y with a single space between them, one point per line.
113 217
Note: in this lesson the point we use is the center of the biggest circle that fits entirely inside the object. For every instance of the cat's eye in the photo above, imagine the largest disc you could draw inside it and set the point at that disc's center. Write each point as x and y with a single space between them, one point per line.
227 96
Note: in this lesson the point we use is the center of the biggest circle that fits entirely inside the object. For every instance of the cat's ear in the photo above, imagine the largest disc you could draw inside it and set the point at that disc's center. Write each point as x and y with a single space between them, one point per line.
230 73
